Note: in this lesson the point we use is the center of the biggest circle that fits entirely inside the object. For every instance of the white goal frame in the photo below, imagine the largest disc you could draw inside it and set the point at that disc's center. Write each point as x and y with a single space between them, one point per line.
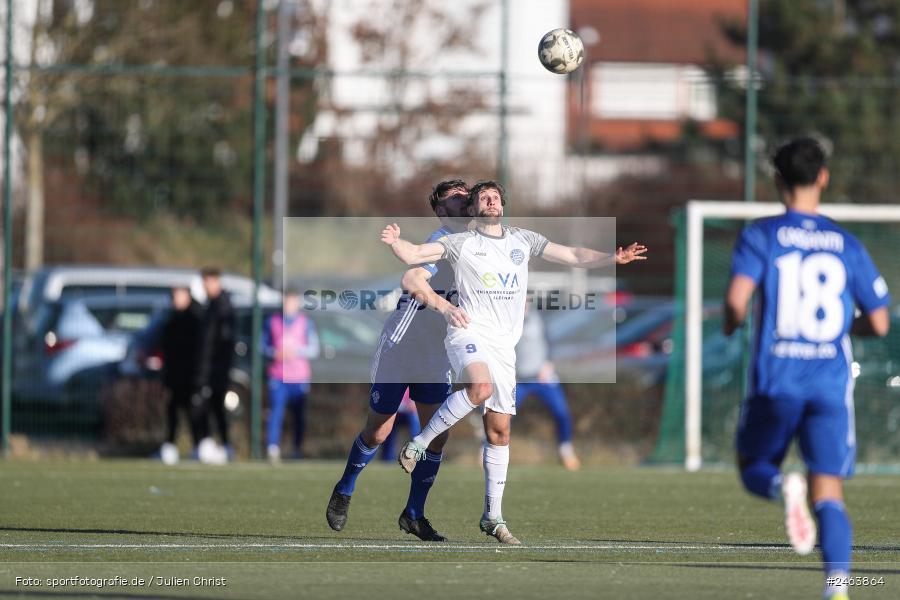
697 212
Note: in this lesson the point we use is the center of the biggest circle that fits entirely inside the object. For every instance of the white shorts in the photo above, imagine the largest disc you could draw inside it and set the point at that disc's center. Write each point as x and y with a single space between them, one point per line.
465 347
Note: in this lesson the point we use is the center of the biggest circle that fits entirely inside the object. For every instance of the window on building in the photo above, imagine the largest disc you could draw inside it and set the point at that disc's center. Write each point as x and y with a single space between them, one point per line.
651 91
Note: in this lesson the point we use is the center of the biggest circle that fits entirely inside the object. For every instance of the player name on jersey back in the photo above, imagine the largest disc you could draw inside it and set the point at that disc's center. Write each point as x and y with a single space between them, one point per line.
797 237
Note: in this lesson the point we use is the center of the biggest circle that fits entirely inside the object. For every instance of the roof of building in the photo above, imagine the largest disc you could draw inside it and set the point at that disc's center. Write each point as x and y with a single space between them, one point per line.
659 31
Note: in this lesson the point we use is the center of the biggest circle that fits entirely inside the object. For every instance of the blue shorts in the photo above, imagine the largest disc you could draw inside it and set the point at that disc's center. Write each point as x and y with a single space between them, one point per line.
824 428
395 369
385 398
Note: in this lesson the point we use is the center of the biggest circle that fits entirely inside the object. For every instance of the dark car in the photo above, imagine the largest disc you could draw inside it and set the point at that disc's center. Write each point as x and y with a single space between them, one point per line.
632 335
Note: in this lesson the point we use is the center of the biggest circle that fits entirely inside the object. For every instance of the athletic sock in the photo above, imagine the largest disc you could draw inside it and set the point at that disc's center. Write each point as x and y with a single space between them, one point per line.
422 478
836 582
454 408
762 479
359 457
835 535
496 463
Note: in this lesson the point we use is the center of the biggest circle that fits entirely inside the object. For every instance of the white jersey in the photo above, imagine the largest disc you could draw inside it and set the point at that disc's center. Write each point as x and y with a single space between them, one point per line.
492 279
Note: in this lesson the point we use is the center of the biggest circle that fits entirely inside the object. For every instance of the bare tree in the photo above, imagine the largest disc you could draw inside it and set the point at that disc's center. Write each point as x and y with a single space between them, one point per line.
403 106
106 122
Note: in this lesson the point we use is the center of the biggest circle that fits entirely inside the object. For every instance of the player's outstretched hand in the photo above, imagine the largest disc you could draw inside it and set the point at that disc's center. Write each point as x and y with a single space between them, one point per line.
390 234
632 252
457 317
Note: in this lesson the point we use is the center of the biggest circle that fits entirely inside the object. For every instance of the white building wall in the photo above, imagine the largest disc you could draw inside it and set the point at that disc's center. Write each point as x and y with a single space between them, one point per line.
539 166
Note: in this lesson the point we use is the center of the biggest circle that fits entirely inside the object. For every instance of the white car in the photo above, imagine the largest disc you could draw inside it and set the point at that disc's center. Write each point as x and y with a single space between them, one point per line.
65 281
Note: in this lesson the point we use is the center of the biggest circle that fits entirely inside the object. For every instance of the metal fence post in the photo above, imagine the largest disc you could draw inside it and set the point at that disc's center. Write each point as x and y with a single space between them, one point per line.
6 415
503 158
750 117
259 182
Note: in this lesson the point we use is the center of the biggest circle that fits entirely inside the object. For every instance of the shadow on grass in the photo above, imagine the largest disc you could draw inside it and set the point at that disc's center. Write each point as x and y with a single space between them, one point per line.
772 567
259 537
178 534
737 545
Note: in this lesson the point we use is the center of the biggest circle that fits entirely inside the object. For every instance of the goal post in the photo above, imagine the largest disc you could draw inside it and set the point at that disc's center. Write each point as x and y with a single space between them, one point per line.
698 215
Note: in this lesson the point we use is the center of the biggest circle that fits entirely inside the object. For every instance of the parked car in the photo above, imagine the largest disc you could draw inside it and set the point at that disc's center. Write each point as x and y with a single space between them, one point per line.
66 358
51 284
634 336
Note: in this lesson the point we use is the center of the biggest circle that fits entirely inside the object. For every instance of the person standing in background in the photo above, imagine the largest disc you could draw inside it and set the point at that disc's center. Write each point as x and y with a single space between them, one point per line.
215 352
536 375
291 341
178 344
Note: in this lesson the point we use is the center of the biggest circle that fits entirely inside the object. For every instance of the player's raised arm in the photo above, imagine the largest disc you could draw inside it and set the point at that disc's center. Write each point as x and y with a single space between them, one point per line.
411 254
592 259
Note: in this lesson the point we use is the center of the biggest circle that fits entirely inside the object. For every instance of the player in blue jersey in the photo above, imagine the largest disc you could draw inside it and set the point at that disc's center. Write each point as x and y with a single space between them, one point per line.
536 376
809 275
411 356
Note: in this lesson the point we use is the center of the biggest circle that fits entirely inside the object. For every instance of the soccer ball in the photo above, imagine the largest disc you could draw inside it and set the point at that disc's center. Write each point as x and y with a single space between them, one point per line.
561 51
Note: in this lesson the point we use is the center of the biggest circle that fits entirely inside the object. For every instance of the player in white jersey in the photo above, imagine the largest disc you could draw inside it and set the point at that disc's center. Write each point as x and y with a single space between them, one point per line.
491 270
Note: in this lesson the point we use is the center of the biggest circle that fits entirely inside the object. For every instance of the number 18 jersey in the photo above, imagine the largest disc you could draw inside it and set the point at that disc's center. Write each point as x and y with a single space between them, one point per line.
810 275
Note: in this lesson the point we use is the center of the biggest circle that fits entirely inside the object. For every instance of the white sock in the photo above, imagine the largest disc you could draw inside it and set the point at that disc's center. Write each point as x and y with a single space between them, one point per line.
496 462
839 585
566 450
452 410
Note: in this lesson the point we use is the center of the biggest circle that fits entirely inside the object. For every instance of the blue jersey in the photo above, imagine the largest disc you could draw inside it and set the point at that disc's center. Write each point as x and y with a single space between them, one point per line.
811 275
416 330
411 355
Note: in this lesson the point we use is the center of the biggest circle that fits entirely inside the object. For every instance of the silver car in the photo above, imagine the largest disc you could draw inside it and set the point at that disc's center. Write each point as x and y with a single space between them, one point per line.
74 343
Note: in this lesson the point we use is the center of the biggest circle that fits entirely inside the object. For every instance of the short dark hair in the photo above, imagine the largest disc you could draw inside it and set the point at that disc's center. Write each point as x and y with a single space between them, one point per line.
444 187
486 185
799 162
210 272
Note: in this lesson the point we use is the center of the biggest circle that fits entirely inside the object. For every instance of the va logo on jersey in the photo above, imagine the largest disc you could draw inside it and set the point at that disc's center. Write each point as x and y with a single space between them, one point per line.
376 397
517 256
503 280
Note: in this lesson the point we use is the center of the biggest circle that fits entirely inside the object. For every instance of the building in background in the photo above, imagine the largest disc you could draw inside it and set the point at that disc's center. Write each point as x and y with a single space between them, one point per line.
646 80
641 83
456 77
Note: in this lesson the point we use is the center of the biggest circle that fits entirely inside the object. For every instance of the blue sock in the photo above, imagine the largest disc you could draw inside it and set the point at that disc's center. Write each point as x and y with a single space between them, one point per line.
359 457
763 479
835 535
423 477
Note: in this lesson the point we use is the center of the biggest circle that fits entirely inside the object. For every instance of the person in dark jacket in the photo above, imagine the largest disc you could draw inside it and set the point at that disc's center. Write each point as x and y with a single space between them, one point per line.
178 344
215 351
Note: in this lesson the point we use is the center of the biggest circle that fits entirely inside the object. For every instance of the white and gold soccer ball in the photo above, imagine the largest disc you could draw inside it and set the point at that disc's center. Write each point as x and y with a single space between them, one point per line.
561 51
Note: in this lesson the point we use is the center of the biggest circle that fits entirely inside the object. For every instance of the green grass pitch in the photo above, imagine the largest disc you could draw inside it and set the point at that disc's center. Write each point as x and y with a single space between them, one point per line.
598 533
